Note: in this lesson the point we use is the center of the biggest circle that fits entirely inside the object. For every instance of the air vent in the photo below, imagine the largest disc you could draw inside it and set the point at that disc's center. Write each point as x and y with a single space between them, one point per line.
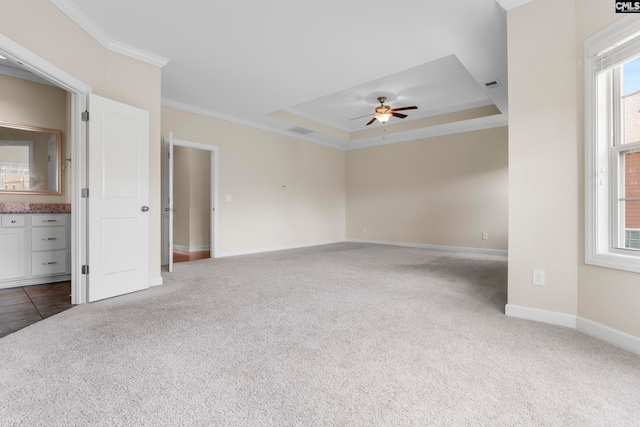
301 131
492 84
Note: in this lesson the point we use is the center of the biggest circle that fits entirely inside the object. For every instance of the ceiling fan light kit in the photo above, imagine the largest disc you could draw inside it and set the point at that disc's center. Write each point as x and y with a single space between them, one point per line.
384 112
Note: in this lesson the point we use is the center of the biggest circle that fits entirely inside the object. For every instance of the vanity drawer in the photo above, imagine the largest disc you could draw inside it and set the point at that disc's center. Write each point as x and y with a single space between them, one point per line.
12 221
48 238
48 220
48 262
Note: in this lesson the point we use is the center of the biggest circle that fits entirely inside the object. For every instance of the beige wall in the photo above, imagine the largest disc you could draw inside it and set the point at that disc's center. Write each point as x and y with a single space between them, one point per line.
109 74
253 166
446 190
199 198
191 196
181 196
543 159
27 103
546 173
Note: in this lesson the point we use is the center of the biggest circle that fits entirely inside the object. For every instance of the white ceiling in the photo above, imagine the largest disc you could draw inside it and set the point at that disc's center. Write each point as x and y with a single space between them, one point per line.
326 61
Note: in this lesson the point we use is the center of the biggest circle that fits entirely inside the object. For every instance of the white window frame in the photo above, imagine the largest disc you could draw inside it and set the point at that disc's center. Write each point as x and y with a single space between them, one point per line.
612 46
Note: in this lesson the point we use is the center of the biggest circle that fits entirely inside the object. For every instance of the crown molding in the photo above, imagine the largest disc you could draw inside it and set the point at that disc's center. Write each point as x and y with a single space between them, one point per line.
136 53
511 4
79 17
243 122
480 123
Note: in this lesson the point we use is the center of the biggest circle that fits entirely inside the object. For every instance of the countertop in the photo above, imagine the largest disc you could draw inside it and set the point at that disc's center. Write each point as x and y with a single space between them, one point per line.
34 208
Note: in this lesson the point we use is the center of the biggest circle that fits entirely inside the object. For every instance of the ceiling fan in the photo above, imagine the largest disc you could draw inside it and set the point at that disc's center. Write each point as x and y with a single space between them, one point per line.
384 112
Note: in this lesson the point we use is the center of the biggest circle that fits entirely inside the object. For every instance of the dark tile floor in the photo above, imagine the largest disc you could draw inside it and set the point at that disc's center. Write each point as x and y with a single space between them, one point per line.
20 307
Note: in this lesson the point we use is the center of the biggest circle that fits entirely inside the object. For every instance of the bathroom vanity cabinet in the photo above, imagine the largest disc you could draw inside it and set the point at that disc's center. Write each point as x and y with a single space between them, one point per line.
34 249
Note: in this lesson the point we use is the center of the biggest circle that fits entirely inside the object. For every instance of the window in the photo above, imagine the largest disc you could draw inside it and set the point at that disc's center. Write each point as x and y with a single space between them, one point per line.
612 150
16 165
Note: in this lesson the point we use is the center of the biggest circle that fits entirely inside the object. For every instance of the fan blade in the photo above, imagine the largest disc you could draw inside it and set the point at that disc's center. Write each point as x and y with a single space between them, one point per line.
402 116
366 115
372 120
404 108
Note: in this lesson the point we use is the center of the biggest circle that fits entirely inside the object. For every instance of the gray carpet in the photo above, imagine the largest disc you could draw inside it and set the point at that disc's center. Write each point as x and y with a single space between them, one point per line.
337 335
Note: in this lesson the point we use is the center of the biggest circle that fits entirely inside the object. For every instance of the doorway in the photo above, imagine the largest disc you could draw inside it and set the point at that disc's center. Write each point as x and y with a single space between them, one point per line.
190 194
191 204
78 93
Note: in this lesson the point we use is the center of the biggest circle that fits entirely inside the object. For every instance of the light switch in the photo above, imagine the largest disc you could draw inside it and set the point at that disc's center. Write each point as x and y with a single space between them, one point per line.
229 198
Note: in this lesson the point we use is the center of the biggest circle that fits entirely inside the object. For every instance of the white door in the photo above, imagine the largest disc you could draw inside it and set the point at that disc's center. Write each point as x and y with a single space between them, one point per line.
169 209
118 182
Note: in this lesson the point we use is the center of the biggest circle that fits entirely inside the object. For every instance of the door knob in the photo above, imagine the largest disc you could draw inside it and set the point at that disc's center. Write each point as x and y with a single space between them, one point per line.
145 208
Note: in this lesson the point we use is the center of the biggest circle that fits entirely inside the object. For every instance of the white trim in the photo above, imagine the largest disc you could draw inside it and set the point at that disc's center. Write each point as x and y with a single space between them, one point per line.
155 281
80 18
436 247
615 34
35 281
423 115
139 54
275 248
610 335
38 66
595 329
79 92
539 315
511 4
22 74
243 122
479 123
598 223
191 249
214 237
471 125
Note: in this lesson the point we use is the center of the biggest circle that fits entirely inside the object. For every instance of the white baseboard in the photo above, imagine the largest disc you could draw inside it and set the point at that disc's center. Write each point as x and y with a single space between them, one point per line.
437 247
191 249
595 329
545 316
610 335
155 281
274 248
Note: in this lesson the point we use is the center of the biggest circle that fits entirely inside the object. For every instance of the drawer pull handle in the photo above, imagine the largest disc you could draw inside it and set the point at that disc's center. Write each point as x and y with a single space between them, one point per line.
49 263
49 220
13 221
49 238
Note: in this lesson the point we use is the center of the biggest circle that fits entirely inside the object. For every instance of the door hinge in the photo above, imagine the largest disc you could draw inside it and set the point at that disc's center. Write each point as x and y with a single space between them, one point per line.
84 193
85 269
85 116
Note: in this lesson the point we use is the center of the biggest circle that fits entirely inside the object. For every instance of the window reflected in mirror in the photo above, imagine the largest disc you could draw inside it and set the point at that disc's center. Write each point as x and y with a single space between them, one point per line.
30 159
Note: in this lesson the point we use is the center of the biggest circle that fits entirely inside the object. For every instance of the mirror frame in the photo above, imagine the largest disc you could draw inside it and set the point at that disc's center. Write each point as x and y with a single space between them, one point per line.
58 134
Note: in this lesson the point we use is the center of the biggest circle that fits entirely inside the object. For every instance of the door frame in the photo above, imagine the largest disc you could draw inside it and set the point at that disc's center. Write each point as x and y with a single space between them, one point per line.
214 238
79 92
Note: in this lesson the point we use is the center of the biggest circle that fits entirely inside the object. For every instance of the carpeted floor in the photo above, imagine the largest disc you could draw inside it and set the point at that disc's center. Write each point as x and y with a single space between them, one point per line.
337 335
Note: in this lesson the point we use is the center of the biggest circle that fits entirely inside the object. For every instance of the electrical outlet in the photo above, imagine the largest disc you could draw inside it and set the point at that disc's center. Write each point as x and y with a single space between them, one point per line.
485 236
364 229
538 278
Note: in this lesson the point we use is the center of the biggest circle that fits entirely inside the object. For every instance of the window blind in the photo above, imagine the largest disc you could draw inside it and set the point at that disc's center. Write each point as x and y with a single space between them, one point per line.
618 54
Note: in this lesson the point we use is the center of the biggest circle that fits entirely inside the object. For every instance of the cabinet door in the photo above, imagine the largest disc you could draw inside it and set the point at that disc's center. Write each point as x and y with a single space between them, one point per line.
12 254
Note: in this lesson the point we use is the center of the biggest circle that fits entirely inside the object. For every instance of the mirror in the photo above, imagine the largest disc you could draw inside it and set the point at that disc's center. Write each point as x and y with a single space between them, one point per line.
30 159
